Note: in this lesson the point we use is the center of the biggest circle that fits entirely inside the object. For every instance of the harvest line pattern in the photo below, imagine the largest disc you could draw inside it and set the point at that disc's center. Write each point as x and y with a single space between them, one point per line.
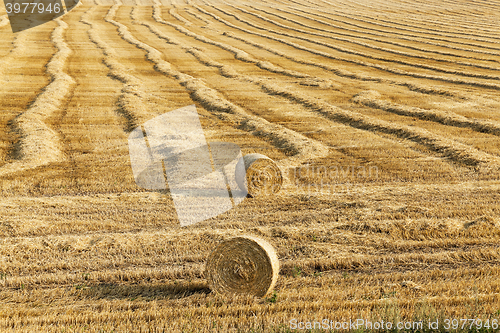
378 66
77 230
38 143
353 61
350 118
293 142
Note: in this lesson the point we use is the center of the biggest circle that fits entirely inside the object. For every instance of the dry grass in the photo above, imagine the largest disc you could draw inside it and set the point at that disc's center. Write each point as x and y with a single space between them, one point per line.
38 144
382 115
4 20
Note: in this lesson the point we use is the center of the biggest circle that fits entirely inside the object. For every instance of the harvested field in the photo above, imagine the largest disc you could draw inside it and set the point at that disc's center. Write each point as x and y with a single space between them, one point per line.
384 117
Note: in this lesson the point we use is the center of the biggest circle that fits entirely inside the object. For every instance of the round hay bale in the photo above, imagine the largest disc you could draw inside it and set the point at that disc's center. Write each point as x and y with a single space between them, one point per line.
258 175
242 265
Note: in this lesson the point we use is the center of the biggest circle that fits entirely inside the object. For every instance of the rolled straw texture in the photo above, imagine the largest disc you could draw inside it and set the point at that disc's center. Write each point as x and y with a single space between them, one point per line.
262 176
243 265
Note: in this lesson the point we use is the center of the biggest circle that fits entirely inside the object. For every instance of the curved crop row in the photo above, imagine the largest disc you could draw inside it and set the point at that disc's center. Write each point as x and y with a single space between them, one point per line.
336 71
443 22
357 62
419 49
290 141
411 28
410 32
454 150
450 148
39 144
428 23
384 33
132 94
199 17
266 65
372 99
177 16
362 54
239 54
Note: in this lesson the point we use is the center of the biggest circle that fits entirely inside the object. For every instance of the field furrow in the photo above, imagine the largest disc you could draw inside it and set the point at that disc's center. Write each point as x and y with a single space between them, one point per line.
38 144
372 24
230 72
343 73
130 102
338 72
334 69
344 50
384 39
445 23
384 68
367 45
372 99
18 90
313 14
423 27
90 128
450 148
238 53
292 142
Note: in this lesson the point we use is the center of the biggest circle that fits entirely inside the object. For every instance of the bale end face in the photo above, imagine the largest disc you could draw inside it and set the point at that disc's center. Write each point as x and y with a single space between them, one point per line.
258 175
243 265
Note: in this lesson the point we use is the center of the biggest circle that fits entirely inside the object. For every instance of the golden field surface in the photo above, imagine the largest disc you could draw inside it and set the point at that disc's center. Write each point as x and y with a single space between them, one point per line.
383 115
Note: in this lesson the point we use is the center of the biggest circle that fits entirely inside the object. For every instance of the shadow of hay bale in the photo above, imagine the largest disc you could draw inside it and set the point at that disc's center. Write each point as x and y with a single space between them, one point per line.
170 290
